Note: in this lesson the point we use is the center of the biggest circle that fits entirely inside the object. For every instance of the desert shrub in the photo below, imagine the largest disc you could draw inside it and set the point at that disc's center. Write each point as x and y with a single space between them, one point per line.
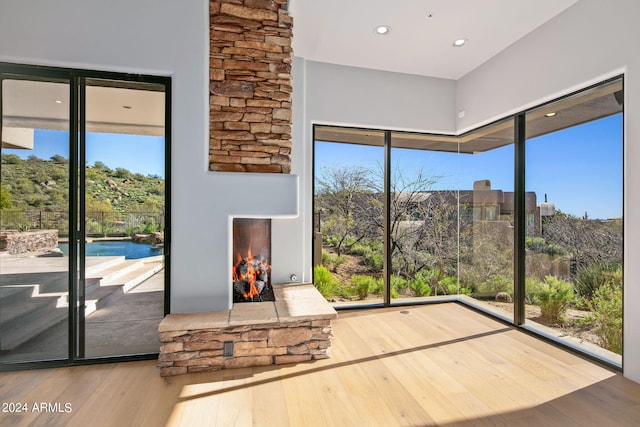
451 286
420 286
531 285
494 284
332 262
590 278
540 245
363 285
360 249
330 240
377 286
324 281
150 225
399 285
375 261
606 314
553 296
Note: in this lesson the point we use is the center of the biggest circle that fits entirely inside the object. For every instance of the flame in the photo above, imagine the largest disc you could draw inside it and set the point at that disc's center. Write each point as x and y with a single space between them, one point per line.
255 267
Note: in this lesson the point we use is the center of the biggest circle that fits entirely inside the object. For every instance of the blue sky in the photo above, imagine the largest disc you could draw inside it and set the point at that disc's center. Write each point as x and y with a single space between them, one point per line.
580 168
138 154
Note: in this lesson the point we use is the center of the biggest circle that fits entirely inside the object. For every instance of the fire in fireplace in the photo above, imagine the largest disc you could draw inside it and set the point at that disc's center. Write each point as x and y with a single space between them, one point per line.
251 269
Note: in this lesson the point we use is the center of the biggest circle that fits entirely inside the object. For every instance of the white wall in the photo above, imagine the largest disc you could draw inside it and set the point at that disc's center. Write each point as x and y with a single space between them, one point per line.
590 41
354 96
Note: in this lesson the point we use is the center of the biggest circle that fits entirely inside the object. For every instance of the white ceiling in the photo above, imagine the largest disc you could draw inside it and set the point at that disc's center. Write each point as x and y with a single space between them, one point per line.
342 32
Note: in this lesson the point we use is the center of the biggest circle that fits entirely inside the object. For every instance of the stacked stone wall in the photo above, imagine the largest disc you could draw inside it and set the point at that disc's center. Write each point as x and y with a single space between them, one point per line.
250 86
185 351
17 242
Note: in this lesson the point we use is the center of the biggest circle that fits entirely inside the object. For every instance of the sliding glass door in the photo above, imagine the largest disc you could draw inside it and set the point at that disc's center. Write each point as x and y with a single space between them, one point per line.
349 219
122 206
34 216
83 215
574 250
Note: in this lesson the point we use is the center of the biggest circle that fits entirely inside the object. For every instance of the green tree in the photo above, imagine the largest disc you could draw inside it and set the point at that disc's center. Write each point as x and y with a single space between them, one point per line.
58 159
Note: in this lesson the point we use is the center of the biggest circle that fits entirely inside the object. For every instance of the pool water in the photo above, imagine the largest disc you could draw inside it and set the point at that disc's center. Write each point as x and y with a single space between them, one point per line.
129 249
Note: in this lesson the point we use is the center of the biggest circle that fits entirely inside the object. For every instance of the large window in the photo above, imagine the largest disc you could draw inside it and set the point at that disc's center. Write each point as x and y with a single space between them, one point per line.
573 285
521 218
349 219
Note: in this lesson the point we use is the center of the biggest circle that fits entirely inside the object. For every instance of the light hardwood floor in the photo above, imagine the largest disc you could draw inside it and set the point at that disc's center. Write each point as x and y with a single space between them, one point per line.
439 364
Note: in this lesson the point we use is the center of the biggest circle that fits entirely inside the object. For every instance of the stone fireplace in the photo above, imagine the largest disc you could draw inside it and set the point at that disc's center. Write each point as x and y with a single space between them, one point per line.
250 131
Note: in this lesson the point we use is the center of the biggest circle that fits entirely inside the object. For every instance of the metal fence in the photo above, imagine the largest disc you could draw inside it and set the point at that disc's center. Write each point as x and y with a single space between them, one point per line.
97 223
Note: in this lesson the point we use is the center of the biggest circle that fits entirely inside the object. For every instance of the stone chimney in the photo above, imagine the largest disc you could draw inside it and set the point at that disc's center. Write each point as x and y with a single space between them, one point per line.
250 86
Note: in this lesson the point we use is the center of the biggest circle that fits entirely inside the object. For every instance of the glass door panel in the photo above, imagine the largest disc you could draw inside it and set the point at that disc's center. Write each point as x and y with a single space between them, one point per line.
123 206
486 210
34 220
349 216
424 187
574 160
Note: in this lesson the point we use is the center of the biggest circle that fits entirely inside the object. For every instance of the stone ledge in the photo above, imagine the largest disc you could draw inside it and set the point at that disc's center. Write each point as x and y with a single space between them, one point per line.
294 328
293 302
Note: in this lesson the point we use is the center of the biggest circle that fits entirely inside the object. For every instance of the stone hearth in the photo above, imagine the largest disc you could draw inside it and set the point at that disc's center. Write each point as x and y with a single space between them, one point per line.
295 328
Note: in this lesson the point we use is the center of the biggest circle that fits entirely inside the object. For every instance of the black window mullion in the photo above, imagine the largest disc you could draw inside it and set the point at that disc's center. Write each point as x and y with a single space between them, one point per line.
520 226
73 218
82 97
387 218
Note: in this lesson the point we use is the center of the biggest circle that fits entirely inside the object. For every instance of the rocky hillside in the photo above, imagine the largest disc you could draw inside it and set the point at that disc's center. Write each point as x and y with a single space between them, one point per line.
43 184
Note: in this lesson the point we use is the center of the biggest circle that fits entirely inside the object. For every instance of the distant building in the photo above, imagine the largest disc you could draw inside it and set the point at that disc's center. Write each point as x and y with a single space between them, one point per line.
482 204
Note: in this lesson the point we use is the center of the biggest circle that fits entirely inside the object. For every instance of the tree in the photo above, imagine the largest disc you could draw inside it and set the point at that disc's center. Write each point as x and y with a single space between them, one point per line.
122 173
590 242
101 167
58 159
423 225
342 194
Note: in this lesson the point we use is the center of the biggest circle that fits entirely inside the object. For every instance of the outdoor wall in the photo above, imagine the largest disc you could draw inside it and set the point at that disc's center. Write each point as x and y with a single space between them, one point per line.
583 45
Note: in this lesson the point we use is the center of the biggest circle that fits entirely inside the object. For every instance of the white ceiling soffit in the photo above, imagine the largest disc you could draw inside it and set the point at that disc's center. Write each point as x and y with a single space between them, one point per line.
422 32
45 105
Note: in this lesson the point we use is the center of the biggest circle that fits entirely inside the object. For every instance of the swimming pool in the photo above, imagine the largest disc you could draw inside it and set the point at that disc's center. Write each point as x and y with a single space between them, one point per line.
127 248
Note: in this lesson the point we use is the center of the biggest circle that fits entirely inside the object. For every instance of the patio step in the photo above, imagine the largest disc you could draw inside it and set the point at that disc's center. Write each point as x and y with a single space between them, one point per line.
26 310
128 273
116 284
30 316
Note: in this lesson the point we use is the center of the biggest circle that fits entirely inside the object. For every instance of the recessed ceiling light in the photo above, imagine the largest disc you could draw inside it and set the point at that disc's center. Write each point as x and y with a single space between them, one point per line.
382 30
550 114
460 42
58 101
